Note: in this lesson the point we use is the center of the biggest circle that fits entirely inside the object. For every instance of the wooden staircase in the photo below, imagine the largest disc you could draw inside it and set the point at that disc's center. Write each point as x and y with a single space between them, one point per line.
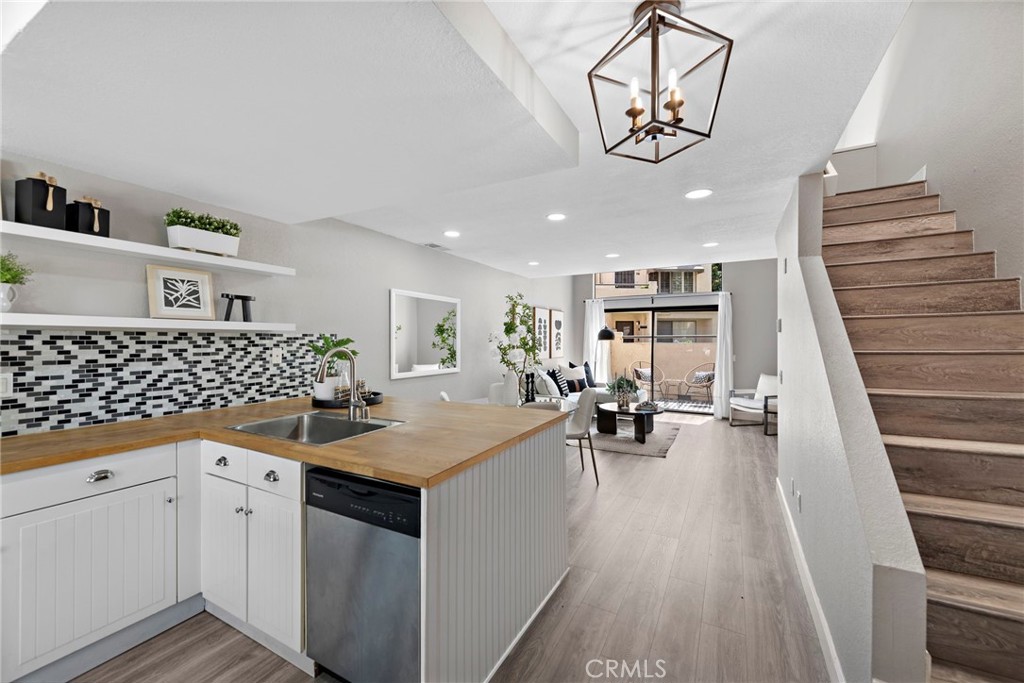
940 343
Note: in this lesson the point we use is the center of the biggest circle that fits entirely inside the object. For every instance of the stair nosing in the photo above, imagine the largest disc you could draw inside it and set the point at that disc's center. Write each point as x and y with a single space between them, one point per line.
943 352
937 595
881 187
882 220
929 315
932 443
891 285
975 518
963 395
908 258
884 201
902 237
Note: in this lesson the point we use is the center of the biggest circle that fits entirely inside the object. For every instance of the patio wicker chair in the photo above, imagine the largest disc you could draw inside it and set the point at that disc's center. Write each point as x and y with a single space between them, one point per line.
644 373
706 381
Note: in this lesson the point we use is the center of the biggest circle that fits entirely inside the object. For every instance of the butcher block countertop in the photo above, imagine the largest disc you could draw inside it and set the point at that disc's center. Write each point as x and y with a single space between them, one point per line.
438 440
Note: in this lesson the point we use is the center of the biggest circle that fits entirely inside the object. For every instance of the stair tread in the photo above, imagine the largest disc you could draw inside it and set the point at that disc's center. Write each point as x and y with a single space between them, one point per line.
927 315
885 201
943 352
895 237
894 218
976 593
924 284
948 672
931 443
889 261
880 187
967 510
938 393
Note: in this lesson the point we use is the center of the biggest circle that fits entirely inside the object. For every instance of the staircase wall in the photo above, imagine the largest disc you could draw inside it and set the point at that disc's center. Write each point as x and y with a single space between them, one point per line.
853 542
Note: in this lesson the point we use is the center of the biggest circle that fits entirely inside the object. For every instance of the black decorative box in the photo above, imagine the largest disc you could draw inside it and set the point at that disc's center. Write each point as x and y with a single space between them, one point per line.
86 216
39 201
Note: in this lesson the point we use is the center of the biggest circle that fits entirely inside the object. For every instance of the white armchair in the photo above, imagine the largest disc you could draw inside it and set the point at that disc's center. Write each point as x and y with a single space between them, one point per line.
760 402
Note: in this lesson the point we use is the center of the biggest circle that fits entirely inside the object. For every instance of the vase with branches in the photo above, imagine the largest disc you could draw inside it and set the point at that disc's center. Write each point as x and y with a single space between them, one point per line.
516 347
445 334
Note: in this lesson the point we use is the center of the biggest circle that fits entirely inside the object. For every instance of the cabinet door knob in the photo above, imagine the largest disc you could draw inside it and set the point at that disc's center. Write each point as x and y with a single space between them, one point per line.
239 509
222 461
169 499
272 476
248 512
99 475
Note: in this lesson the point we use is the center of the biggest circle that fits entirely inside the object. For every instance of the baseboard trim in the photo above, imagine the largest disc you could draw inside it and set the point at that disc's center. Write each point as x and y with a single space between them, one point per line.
828 646
296 659
94 654
526 626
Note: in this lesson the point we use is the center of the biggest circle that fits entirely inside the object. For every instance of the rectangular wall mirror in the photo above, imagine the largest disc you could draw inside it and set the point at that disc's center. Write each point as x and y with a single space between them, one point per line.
425 334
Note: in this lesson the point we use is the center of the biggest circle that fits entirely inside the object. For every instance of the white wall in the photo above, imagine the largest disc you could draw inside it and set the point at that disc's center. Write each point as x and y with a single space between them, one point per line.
753 285
949 96
344 276
860 565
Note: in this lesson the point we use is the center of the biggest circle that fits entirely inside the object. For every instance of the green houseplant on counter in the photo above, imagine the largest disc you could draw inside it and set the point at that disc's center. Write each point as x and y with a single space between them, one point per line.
201 232
325 390
12 272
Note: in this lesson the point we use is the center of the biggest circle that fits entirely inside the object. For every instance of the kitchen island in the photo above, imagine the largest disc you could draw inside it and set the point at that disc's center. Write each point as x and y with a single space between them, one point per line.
493 543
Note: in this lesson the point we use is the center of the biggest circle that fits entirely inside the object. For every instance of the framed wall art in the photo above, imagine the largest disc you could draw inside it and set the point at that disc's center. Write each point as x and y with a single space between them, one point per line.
541 328
180 293
557 334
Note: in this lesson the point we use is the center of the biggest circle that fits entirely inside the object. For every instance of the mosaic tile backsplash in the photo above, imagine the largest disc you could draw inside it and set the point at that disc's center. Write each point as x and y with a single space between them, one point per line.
65 379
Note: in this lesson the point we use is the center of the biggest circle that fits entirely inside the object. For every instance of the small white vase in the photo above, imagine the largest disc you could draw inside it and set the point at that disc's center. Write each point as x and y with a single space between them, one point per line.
8 295
510 390
324 391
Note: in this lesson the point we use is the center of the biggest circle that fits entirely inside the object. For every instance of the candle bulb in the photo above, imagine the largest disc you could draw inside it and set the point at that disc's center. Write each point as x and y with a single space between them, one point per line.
634 88
673 83
636 110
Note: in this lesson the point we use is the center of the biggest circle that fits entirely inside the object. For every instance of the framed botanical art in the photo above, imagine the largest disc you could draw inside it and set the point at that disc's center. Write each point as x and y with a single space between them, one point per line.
180 293
557 334
541 328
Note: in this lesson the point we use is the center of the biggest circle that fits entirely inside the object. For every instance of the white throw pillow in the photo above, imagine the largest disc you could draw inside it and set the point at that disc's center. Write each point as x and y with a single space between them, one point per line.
573 373
545 385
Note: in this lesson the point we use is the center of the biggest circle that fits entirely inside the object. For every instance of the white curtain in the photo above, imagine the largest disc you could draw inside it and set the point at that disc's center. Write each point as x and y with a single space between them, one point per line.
595 352
723 361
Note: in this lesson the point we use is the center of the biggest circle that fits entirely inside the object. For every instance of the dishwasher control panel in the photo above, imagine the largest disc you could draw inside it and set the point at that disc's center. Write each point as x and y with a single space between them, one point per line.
380 503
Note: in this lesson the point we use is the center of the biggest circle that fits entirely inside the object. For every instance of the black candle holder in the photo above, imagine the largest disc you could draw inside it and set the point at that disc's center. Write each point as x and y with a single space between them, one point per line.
246 309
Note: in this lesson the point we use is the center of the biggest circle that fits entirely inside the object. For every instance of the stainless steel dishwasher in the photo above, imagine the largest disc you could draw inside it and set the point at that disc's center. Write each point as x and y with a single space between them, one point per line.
362 577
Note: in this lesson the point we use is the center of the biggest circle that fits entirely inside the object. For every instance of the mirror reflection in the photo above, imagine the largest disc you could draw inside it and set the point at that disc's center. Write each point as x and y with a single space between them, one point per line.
424 334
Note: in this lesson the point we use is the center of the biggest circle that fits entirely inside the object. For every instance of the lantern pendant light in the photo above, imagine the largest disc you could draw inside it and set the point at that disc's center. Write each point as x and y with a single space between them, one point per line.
669 72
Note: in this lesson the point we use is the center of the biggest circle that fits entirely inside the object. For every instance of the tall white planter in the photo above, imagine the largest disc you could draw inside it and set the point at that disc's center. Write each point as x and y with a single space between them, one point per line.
8 295
181 237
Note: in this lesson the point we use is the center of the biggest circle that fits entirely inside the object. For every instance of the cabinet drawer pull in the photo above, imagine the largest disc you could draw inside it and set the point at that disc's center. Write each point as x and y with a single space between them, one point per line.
271 476
99 475
222 461
239 509
248 512
169 499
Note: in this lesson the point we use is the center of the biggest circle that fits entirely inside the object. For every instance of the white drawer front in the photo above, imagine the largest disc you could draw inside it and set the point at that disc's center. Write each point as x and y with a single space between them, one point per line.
224 461
46 486
275 475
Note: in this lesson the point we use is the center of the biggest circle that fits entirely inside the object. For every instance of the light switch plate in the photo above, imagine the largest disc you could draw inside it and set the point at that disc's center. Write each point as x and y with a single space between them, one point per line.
6 385
276 356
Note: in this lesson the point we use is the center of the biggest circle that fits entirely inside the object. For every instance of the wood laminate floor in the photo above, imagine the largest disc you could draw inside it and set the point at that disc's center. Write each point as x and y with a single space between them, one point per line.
679 564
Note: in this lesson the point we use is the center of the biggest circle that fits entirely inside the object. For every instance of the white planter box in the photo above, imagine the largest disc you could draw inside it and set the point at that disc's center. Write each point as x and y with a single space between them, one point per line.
180 237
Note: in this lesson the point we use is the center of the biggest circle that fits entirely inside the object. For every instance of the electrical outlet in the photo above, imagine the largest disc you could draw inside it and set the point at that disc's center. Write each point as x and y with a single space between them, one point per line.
799 502
6 385
276 356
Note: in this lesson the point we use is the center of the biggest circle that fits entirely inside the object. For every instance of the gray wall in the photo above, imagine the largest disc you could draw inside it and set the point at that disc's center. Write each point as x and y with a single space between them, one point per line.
754 289
949 96
343 283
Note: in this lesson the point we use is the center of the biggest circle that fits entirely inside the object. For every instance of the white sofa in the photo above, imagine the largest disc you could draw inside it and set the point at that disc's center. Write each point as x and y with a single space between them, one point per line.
603 395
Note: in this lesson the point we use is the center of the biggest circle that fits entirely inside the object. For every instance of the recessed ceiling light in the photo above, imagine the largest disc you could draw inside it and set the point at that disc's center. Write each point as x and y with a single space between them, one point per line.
451 233
710 244
698 194
611 256
533 263
556 216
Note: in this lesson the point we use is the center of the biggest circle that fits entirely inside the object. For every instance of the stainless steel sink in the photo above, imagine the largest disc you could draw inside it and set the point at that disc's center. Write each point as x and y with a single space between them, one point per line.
316 428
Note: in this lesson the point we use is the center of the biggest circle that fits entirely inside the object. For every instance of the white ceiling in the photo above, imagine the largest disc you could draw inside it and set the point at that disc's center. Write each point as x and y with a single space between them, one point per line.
297 111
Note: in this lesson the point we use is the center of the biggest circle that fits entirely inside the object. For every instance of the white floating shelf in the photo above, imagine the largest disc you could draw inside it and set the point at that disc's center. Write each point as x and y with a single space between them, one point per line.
103 322
139 250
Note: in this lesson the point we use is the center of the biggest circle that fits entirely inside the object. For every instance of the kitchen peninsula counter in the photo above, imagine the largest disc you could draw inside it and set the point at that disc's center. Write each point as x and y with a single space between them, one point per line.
437 441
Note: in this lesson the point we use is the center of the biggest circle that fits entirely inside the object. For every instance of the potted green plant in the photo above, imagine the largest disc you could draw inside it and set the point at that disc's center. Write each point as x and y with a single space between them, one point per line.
516 348
623 387
325 390
445 335
201 232
12 272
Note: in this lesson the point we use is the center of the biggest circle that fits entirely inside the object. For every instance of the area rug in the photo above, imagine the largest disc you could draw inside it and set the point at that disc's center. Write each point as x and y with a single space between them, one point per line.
658 441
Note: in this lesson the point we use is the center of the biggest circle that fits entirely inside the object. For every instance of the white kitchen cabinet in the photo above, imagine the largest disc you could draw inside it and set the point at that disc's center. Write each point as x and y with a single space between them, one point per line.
274 577
252 556
77 572
224 544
